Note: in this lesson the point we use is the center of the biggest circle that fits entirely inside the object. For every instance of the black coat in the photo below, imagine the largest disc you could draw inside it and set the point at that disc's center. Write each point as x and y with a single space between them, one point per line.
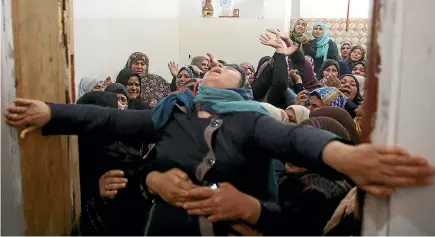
244 146
310 50
97 155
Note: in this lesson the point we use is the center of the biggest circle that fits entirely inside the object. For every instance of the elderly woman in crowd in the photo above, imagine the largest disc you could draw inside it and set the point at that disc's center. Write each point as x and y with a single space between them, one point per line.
153 87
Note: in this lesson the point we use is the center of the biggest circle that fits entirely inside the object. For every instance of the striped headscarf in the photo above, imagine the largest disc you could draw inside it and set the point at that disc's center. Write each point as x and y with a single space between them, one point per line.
330 96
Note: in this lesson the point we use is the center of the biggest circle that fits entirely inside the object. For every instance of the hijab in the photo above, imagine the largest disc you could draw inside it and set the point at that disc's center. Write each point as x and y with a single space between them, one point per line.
197 61
330 96
275 112
296 37
187 69
350 62
100 98
215 101
153 87
343 117
212 100
88 83
301 112
343 44
328 63
357 63
261 65
122 79
329 124
117 88
361 82
322 46
344 68
358 98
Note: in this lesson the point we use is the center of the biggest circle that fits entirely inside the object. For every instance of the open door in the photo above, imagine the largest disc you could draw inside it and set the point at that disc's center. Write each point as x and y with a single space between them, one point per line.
401 70
41 181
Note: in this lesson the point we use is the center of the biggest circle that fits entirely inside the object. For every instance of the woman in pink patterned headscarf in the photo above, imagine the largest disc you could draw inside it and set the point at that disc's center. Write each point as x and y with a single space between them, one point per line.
153 87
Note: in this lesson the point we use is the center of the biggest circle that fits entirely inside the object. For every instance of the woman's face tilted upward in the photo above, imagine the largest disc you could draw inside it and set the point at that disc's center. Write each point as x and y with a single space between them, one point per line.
222 77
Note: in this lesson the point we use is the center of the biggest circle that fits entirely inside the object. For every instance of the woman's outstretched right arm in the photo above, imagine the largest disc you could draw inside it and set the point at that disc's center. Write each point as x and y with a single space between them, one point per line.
68 119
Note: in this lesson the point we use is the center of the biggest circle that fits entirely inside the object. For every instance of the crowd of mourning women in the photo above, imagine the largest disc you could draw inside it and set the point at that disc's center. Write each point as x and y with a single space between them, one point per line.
228 148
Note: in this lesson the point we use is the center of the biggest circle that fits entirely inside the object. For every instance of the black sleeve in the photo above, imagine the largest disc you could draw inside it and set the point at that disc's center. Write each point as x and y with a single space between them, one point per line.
333 51
70 119
138 104
173 85
310 48
300 145
298 61
298 87
307 215
280 80
262 84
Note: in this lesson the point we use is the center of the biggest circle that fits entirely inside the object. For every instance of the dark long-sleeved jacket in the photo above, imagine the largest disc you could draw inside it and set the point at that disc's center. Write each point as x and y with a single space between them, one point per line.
243 145
310 50
272 84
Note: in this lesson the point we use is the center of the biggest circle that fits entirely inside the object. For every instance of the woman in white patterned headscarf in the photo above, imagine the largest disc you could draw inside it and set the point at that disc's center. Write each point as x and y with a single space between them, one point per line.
90 83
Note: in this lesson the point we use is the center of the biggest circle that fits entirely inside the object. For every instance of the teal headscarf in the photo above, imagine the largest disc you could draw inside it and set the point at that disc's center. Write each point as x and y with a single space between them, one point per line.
187 69
322 42
215 101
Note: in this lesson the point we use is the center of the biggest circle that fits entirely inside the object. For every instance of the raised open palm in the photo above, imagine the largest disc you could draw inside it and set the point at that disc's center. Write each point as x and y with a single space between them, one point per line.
283 36
173 68
275 43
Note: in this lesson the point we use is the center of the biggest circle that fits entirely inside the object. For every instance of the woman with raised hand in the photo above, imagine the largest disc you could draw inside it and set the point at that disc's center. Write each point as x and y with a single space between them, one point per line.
239 153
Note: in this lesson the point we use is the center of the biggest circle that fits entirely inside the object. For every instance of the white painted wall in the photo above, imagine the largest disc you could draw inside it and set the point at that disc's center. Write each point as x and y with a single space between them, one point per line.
230 39
409 211
106 32
334 8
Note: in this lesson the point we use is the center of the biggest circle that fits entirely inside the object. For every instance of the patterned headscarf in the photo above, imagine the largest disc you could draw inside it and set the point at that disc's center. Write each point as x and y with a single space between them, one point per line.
330 96
153 87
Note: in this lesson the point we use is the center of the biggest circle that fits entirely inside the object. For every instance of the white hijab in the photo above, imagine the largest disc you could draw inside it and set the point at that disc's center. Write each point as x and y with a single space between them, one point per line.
87 84
275 112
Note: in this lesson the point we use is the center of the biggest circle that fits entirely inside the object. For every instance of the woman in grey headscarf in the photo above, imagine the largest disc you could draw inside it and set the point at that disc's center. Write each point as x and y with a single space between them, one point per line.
202 63
153 87
90 83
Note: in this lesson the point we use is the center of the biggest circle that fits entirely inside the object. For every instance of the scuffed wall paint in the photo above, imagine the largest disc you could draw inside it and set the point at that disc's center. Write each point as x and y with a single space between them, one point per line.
11 198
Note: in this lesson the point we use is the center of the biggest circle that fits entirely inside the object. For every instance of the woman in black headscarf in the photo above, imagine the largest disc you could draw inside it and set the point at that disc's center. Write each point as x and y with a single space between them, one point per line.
121 92
123 214
132 81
